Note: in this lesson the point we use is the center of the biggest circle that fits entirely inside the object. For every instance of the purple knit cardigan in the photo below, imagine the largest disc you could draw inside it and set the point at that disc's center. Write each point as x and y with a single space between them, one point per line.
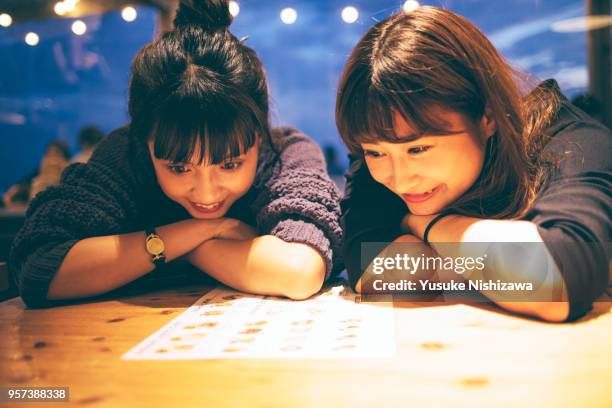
116 192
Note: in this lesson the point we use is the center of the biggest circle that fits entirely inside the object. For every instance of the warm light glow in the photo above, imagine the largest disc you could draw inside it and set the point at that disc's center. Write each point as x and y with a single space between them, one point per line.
60 8
129 14
32 39
288 15
79 27
234 8
581 24
350 14
69 5
410 5
5 20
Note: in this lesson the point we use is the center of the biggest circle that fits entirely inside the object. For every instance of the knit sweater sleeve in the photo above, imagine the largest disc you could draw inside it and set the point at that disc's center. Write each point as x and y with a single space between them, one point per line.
90 201
298 201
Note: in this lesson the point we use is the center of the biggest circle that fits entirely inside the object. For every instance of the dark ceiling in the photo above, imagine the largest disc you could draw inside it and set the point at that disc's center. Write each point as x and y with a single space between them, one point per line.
28 10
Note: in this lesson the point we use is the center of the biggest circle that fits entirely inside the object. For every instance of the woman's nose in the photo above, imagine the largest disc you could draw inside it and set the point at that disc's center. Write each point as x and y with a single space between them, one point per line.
404 177
206 188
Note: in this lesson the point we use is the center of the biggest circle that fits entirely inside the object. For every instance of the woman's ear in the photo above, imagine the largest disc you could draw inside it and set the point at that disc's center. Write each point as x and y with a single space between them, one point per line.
488 124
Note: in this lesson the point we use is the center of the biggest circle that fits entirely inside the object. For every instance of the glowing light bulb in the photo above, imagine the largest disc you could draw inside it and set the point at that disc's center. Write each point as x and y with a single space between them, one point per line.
5 20
350 14
288 15
70 5
129 14
234 8
32 39
410 5
60 8
79 27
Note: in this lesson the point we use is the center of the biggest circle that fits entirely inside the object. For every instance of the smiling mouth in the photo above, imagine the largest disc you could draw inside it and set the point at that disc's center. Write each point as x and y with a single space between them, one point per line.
207 208
417 198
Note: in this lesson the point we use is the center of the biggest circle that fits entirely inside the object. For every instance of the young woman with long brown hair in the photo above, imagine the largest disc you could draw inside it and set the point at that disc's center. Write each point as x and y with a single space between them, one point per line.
450 144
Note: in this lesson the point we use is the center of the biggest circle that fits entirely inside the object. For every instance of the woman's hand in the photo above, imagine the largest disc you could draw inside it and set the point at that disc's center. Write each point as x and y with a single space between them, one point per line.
235 230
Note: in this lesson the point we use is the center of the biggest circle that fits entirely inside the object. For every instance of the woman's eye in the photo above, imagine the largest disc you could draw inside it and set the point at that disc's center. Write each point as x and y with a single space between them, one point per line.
372 154
418 149
178 169
233 165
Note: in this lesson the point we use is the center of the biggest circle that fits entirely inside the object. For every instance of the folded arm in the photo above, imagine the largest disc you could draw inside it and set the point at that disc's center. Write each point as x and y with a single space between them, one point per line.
264 265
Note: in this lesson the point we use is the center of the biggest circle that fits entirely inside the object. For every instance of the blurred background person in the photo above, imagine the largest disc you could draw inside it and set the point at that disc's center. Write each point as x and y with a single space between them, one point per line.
89 137
53 162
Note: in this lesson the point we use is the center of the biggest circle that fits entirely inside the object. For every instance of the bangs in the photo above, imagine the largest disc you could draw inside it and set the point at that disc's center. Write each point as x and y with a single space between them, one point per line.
369 118
188 134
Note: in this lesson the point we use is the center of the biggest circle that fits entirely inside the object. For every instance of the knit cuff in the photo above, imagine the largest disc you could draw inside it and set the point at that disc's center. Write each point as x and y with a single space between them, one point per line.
35 275
305 233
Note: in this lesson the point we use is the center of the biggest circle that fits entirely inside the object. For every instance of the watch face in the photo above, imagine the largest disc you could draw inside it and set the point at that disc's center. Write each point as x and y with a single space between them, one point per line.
155 245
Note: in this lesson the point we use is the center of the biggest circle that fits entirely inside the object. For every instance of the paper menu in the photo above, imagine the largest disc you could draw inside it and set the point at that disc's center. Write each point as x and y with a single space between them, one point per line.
226 324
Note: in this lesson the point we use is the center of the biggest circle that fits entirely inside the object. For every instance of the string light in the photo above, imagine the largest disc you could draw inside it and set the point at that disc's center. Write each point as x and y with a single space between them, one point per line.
410 5
350 14
288 15
234 8
64 6
32 39
60 8
129 14
70 5
5 20
79 27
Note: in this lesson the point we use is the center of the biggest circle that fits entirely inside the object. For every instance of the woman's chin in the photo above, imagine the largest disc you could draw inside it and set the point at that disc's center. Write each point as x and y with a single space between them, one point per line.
430 210
422 212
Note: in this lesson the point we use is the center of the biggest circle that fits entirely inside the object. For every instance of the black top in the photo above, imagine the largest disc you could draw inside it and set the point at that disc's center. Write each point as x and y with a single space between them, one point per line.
572 210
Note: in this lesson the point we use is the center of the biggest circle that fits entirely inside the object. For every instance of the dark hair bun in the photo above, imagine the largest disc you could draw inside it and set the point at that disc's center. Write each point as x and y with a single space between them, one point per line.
211 15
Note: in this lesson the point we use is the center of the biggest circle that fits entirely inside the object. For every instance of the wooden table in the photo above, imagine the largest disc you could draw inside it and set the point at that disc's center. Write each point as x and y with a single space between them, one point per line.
448 355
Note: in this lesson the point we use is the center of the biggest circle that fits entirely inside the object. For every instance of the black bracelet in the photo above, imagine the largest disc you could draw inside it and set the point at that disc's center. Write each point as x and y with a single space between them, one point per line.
433 222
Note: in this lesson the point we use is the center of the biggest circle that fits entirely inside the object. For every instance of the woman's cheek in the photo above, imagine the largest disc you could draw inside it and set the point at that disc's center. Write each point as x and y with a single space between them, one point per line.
176 186
240 182
379 171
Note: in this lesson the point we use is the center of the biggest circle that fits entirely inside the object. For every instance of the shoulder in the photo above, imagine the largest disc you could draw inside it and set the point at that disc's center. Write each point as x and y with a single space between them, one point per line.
292 150
113 148
578 143
108 165
581 172
287 138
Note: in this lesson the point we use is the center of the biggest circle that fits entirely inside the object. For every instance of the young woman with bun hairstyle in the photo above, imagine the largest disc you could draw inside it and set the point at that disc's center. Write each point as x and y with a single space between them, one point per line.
197 176
449 144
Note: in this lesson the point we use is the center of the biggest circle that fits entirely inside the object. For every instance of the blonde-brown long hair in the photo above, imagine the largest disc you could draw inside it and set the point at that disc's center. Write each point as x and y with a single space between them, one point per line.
410 62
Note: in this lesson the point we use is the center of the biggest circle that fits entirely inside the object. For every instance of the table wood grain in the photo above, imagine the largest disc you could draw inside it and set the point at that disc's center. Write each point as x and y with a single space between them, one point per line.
447 355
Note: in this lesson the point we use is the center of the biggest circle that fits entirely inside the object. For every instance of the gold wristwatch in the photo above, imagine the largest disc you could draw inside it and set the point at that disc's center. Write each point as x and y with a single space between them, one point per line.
155 247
